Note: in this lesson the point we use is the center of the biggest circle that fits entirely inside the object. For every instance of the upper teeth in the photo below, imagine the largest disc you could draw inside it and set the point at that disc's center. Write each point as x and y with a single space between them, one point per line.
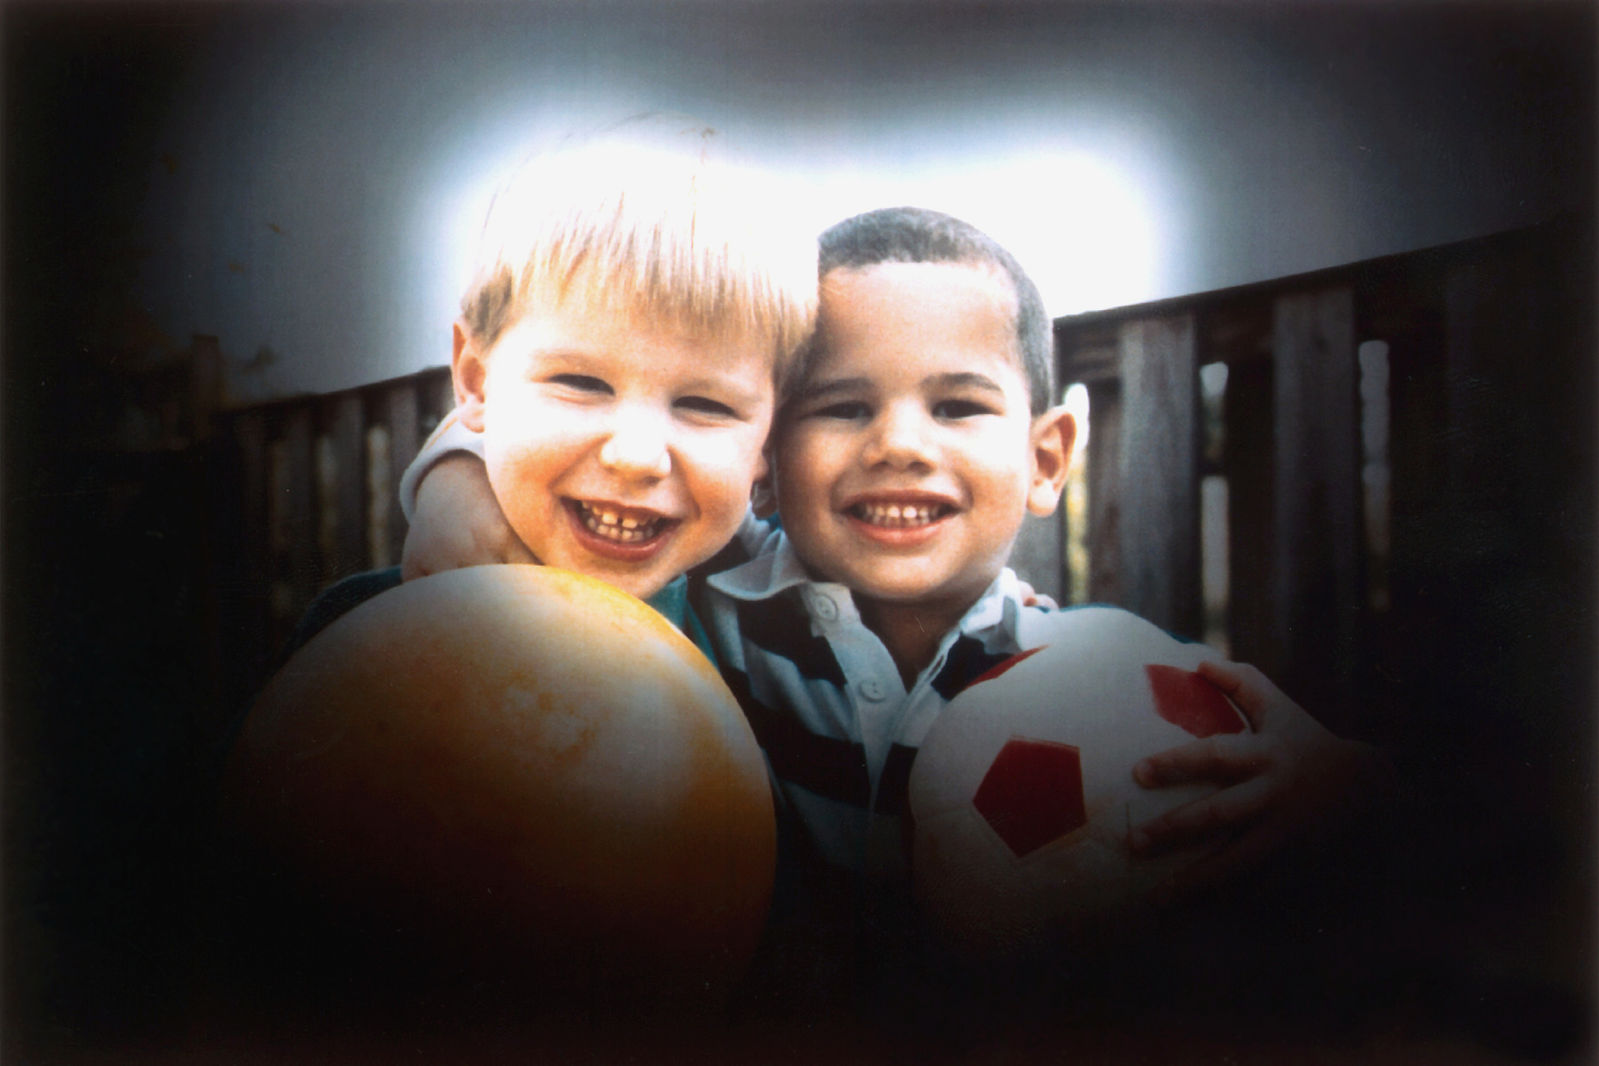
901 514
615 526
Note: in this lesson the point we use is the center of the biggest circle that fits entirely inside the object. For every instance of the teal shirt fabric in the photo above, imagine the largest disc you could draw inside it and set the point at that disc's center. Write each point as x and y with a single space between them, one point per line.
672 603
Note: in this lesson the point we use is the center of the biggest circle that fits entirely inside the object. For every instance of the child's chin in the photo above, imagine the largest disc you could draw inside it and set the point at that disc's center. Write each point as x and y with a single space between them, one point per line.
643 584
897 592
912 589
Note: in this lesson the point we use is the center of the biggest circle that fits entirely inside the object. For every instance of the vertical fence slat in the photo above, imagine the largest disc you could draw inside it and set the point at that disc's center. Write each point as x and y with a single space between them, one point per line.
400 411
1104 484
255 553
1159 473
439 391
1415 632
1247 465
1316 531
303 575
345 431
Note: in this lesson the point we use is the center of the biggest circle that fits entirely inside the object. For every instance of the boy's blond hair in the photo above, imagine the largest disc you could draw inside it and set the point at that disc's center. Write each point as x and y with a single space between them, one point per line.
645 221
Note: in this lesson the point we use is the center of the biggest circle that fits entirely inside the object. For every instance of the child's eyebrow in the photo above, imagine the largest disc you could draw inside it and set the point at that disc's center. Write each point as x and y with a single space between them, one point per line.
823 389
955 380
967 379
725 390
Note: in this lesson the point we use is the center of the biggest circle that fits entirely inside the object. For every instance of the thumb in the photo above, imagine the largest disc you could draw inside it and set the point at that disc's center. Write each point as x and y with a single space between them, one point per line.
1240 683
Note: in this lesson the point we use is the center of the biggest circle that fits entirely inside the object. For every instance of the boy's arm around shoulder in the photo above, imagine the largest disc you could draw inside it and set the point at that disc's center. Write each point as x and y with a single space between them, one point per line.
455 518
449 437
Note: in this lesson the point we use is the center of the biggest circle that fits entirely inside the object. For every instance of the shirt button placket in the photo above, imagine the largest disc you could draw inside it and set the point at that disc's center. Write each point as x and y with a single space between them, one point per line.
824 606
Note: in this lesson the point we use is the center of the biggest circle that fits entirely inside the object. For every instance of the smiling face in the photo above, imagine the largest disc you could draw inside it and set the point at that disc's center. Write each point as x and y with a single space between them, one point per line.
616 447
909 457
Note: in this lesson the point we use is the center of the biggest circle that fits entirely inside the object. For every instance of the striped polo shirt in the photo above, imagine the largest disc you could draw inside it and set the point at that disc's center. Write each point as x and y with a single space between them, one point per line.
838 726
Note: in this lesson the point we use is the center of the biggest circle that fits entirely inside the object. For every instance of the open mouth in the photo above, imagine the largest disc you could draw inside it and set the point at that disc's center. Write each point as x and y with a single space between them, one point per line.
899 515
620 525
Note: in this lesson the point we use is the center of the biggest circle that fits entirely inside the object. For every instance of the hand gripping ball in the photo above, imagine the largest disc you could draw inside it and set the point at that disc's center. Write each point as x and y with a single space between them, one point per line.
1022 794
517 769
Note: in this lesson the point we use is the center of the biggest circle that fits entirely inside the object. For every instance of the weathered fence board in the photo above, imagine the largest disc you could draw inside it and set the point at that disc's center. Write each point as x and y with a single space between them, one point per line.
302 574
1158 477
400 413
345 549
1315 579
1247 466
249 566
1104 478
438 394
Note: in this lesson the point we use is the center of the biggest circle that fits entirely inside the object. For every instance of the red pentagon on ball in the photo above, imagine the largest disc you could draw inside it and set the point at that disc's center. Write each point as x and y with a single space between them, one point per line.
1032 794
1188 701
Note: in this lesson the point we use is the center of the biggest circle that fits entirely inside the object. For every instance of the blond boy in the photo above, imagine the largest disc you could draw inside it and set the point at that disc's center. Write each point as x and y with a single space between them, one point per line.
634 310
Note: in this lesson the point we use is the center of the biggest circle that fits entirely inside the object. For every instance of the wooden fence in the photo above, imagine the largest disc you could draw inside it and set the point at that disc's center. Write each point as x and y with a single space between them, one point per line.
310 495
1404 451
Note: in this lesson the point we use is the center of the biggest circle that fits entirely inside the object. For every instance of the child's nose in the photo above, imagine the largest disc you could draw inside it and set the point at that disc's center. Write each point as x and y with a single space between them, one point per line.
636 448
901 438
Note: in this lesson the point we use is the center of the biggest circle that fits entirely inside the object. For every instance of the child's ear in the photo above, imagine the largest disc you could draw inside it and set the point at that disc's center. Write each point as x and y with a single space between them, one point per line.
1053 434
763 493
468 371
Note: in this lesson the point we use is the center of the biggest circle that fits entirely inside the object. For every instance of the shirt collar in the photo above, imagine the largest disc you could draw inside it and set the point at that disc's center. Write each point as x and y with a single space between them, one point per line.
997 609
777 567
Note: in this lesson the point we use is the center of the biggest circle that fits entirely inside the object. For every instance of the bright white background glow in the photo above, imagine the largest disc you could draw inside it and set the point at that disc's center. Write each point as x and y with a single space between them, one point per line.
1087 232
316 199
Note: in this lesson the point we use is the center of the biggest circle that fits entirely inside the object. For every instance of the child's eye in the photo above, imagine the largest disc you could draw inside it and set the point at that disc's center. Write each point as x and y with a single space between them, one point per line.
581 382
961 409
704 405
844 410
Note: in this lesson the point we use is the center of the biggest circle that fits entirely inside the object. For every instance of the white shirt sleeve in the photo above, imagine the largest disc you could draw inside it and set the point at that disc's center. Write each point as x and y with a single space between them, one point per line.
450 435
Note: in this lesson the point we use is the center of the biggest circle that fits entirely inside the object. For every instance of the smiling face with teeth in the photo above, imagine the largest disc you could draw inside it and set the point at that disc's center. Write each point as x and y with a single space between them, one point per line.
616 446
909 457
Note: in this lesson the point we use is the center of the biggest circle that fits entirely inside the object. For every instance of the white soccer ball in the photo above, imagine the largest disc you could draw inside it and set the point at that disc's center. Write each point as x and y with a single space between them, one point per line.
1022 795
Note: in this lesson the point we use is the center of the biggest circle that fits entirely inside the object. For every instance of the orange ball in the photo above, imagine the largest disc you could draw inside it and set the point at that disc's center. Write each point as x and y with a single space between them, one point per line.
520 769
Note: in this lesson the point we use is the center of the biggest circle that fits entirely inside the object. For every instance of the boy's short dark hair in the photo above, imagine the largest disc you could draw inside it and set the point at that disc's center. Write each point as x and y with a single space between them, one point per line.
917 235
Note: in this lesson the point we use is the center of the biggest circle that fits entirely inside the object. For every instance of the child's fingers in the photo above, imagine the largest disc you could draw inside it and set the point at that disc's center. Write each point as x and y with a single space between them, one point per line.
1218 759
1222 812
1248 688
